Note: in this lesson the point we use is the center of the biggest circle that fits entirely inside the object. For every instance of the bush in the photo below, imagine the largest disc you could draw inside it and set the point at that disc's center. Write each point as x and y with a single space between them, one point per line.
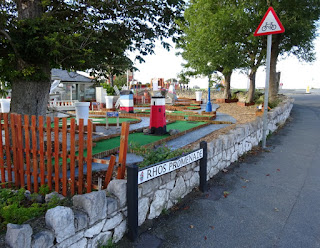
17 208
153 156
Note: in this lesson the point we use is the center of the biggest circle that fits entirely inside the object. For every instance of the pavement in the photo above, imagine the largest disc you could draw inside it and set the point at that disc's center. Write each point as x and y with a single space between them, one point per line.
273 195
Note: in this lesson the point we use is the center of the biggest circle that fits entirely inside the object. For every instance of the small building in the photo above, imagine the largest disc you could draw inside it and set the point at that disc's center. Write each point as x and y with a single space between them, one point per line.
71 86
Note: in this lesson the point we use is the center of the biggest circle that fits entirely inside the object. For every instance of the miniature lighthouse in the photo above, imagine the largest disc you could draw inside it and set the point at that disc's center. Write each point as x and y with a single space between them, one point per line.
126 101
158 116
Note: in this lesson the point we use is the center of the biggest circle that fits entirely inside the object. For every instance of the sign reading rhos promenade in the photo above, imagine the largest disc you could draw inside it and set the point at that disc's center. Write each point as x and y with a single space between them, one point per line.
151 172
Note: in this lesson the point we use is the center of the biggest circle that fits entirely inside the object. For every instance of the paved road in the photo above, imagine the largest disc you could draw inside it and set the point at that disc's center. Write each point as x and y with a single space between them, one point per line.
274 198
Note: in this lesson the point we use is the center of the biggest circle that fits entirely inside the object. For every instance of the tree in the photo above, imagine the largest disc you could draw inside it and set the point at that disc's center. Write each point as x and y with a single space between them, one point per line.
253 49
210 39
299 19
37 35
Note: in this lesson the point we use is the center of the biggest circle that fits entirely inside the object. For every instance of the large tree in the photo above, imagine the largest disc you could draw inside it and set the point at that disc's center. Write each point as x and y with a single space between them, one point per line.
210 39
299 19
38 35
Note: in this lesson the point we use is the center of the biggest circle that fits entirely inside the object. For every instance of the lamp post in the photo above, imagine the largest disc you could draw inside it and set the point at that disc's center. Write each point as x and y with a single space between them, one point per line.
209 106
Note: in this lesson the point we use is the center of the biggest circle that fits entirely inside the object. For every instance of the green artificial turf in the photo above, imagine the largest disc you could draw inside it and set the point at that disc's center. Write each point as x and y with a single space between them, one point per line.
101 120
141 139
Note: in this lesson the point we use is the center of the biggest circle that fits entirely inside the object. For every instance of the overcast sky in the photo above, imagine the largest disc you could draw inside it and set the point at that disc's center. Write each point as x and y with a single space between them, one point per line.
294 74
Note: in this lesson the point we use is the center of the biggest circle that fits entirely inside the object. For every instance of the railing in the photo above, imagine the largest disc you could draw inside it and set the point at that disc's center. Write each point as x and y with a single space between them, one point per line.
63 105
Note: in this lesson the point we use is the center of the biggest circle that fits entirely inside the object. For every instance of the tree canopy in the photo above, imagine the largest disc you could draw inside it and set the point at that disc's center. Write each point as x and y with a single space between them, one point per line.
37 35
218 35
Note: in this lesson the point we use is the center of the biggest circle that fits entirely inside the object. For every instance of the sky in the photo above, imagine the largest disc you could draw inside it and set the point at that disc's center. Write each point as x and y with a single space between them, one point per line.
294 74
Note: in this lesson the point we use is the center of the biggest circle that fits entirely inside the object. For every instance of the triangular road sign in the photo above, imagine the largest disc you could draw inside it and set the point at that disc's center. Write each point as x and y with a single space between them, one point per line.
270 24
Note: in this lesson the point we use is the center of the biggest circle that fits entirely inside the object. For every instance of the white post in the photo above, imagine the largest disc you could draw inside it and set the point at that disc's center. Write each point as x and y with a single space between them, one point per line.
266 92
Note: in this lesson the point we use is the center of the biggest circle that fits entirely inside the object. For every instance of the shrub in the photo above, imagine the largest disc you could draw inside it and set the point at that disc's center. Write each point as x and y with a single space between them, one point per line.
153 156
16 207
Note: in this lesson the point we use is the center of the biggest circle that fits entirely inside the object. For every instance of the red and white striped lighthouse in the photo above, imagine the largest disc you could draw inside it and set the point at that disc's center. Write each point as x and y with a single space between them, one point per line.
158 115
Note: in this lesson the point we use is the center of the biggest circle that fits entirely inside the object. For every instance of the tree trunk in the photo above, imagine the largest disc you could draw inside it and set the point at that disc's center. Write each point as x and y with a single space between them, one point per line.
252 88
227 79
111 79
30 98
273 82
29 9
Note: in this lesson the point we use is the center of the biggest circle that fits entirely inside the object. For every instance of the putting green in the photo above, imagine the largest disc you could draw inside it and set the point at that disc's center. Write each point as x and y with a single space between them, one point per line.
102 120
141 139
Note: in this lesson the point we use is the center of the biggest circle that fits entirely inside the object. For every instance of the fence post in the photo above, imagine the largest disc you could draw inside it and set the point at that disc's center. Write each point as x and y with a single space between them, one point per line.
132 201
203 167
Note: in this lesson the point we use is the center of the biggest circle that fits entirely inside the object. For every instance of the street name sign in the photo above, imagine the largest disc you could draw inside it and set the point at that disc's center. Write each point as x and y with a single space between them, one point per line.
270 24
166 167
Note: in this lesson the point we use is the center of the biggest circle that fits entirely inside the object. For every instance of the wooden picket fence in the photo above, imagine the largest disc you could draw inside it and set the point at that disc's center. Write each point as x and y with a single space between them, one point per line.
34 153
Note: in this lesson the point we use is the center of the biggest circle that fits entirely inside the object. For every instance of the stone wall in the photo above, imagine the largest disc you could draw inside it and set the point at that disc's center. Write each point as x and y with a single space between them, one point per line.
100 216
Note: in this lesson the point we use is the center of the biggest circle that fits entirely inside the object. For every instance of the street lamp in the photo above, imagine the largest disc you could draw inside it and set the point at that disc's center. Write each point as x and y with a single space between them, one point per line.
209 106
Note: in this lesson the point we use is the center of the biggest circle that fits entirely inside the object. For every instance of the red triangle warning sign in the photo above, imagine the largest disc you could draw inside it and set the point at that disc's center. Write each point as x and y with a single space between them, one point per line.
270 24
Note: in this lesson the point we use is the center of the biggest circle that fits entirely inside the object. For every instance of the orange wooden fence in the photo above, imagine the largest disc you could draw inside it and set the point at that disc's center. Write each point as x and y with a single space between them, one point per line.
33 153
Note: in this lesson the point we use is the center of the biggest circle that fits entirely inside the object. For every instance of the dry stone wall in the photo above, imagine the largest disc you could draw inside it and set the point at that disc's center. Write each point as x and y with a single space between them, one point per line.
100 216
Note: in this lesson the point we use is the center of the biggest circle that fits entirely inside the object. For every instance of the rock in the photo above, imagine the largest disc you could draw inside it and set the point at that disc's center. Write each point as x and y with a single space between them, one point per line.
150 186
94 230
119 231
178 190
79 244
70 241
112 205
19 236
52 195
194 180
100 239
80 220
174 132
158 203
143 208
61 221
94 204
43 239
113 222
119 189
146 131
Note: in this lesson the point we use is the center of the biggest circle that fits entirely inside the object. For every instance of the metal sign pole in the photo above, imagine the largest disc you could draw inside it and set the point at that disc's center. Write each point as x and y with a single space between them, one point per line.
266 92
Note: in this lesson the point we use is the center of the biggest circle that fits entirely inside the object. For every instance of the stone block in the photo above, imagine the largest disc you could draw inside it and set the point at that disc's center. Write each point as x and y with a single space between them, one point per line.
81 243
194 180
43 239
52 195
187 175
100 239
61 221
113 222
178 190
112 205
158 203
80 220
119 231
143 209
95 229
150 186
71 240
18 236
119 189
94 204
